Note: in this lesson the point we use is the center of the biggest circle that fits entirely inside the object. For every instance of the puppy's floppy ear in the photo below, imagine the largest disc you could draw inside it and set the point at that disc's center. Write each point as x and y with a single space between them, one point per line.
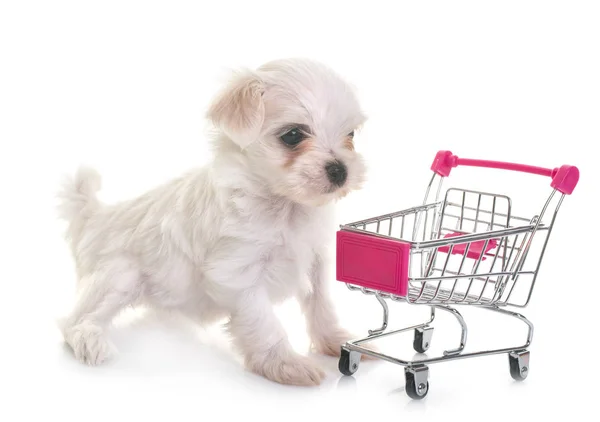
239 110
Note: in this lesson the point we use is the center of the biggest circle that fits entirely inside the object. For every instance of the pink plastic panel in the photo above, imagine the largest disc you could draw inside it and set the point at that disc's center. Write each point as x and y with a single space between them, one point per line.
373 262
475 248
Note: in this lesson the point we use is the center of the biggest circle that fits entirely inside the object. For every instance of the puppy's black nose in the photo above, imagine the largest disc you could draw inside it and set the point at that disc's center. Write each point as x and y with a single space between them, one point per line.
336 173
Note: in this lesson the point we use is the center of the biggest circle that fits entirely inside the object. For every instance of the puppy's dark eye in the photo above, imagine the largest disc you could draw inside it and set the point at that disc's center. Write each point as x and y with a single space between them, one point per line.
292 137
351 134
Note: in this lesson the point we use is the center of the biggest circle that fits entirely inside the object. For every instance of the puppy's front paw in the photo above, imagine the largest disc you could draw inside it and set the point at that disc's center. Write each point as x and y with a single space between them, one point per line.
330 343
288 367
88 344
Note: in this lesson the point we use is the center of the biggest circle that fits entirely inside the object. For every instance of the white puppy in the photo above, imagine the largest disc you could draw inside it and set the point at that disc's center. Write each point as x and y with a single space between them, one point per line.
231 239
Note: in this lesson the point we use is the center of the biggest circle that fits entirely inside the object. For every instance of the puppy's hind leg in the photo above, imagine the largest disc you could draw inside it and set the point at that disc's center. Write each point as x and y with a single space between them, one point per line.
102 296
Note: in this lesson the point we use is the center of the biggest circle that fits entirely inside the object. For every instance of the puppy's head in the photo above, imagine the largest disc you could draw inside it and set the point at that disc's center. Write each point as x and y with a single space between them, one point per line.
295 121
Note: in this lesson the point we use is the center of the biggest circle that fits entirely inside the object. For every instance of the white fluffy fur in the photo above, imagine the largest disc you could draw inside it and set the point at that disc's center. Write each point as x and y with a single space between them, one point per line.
233 238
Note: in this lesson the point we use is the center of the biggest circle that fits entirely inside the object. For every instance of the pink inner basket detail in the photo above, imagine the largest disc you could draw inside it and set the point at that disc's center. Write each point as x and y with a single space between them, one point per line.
475 248
372 262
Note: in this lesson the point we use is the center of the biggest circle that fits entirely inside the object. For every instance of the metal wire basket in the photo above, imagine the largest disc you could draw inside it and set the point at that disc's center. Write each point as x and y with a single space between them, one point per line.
465 249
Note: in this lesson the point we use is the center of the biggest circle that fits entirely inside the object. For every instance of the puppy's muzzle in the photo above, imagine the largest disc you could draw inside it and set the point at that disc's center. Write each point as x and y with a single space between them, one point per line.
337 173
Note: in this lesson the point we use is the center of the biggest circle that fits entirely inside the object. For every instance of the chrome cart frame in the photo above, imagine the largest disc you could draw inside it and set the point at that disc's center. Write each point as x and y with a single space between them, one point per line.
466 249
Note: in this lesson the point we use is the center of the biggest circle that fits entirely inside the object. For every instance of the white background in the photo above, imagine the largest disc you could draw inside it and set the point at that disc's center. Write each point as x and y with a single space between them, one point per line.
123 86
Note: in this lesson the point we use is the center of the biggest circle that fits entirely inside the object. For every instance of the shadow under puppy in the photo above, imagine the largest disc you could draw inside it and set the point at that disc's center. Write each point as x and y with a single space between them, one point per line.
233 238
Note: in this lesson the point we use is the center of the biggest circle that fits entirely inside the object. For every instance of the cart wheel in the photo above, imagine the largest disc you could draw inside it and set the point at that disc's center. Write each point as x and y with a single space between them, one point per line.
519 364
348 363
422 339
417 385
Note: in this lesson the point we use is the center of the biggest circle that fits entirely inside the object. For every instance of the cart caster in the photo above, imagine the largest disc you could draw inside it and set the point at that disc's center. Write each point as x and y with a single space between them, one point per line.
519 364
349 360
417 385
422 339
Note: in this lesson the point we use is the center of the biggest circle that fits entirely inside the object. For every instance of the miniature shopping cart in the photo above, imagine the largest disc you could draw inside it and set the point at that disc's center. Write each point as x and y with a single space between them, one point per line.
467 249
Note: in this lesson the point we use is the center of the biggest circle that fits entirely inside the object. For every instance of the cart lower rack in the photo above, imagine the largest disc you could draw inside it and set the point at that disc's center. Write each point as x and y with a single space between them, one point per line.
465 249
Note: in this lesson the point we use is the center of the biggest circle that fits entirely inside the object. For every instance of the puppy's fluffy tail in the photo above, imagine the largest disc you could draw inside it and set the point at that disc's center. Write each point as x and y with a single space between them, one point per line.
77 197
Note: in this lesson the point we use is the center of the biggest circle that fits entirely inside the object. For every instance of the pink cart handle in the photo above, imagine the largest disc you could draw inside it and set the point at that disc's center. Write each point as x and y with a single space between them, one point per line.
564 178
